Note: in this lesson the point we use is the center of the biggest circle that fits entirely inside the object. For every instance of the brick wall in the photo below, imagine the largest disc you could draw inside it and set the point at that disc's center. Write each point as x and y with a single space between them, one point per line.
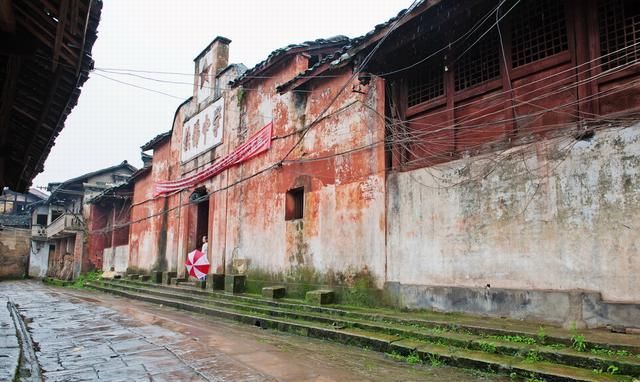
14 252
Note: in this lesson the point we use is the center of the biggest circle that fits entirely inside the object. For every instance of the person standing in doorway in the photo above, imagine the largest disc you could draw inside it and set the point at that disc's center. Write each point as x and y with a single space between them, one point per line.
205 245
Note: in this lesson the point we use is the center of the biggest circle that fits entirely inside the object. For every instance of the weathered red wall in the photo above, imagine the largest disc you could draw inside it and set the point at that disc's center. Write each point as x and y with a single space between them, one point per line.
97 241
344 192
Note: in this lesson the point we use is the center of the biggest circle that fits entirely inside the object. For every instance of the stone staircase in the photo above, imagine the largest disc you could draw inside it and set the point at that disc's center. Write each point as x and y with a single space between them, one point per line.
522 350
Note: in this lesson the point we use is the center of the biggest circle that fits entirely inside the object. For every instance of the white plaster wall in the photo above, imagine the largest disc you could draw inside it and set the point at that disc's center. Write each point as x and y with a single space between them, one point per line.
38 259
117 257
554 215
107 259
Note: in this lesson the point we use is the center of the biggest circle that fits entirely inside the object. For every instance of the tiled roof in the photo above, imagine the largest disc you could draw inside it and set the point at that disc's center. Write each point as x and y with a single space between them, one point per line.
155 140
347 51
82 178
278 53
42 73
9 220
111 192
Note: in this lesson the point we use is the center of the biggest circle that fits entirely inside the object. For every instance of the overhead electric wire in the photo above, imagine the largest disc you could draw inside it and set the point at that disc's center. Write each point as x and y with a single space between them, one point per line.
412 138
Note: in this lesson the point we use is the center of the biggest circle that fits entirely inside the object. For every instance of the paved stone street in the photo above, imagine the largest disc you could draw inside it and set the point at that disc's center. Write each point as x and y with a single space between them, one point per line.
82 335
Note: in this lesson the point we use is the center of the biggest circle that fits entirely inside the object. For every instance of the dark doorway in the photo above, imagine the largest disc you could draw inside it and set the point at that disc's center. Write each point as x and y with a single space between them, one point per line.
202 222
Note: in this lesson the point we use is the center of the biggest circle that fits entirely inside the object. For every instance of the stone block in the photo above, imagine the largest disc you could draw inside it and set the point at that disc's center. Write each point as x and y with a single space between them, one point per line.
239 266
215 281
320 297
234 283
156 277
167 276
200 284
144 278
274 291
133 276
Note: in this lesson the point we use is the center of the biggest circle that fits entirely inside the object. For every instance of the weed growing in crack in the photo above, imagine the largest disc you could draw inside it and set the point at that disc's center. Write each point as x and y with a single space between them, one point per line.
487 347
413 358
532 356
577 342
435 361
542 335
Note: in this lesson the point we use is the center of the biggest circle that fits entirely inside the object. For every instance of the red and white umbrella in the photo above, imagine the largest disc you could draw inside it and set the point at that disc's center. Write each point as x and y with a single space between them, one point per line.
197 264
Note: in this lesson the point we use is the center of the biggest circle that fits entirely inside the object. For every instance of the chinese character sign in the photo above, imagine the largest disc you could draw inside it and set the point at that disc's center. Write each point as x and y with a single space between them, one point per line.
203 131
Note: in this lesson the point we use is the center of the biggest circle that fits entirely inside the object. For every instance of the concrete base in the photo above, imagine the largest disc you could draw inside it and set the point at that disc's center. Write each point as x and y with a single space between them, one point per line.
320 297
567 308
274 292
144 278
201 284
156 277
215 281
167 276
177 280
234 283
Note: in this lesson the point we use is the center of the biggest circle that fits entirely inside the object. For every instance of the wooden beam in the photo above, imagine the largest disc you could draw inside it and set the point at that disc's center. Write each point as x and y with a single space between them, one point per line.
43 35
8 95
84 39
24 113
7 17
43 116
62 23
2 181
34 17
75 14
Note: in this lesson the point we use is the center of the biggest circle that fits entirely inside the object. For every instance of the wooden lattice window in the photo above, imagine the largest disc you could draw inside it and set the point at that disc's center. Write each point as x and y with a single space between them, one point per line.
619 32
425 84
538 30
479 64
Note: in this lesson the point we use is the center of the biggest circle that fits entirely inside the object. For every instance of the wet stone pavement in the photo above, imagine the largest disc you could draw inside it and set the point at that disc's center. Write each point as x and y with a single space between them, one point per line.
83 335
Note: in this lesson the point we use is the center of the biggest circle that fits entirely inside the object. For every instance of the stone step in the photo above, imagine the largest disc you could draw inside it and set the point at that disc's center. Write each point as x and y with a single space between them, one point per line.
592 339
383 342
498 345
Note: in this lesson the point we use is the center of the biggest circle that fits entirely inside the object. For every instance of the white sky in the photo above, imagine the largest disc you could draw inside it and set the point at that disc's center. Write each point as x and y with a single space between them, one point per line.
112 120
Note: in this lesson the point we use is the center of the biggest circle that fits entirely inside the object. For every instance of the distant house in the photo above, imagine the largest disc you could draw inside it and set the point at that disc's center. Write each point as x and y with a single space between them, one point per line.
60 224
15 207
108 227
15 222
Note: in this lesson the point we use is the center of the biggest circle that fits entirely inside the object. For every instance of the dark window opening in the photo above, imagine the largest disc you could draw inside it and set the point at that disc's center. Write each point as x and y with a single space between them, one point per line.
294 204
313 60
41 219
619 27
539 30
426 83
55 215
479 64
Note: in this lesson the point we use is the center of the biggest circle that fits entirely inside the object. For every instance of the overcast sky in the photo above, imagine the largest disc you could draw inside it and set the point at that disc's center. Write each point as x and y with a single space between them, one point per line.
112 120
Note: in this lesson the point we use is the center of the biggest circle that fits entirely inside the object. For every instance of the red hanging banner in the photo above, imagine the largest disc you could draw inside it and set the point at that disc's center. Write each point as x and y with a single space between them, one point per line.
258 143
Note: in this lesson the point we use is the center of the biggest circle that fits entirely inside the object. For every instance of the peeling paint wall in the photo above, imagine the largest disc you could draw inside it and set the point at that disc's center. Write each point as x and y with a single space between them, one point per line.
554 215
343 193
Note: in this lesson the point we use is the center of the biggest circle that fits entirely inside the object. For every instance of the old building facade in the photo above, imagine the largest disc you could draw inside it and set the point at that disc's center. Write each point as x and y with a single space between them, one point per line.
474 157
60 225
